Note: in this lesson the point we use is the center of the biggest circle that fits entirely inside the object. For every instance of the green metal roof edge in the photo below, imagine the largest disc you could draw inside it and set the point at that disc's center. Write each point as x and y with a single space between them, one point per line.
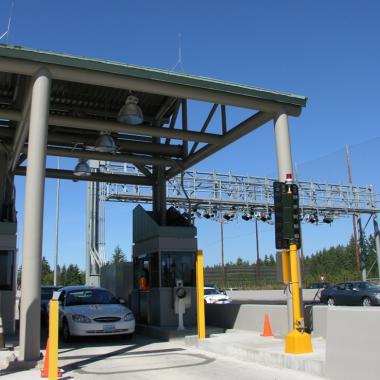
135 71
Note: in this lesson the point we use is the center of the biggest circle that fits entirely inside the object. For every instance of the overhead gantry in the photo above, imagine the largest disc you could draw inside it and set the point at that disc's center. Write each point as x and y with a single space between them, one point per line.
60 105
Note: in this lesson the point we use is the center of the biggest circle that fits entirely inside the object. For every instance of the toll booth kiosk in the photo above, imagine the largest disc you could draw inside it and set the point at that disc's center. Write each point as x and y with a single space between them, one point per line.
163 261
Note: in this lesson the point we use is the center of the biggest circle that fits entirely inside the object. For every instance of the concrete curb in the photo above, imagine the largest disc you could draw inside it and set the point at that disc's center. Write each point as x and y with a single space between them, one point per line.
251 347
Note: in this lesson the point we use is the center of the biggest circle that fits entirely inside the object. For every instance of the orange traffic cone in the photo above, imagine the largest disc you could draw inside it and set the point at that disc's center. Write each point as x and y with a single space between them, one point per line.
267 329
45 368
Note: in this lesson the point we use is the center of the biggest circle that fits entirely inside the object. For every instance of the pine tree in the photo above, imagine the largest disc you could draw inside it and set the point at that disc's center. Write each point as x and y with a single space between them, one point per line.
46 272
73 275
118 256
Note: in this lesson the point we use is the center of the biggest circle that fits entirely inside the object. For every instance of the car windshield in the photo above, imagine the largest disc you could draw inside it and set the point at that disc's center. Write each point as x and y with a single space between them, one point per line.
90 297
47 293
368 285
211 291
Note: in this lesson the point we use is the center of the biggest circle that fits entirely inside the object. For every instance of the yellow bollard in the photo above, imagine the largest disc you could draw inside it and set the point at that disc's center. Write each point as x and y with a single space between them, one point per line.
200 296
285 267
297 341
53 339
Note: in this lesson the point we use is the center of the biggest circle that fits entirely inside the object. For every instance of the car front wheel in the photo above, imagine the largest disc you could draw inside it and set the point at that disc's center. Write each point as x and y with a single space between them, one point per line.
330 301
66 336
366 301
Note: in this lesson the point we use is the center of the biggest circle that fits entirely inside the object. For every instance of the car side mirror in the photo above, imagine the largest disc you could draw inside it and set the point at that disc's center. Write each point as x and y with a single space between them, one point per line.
122 300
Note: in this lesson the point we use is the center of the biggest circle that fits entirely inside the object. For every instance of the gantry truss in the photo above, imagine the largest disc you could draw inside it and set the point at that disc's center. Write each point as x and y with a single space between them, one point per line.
211 193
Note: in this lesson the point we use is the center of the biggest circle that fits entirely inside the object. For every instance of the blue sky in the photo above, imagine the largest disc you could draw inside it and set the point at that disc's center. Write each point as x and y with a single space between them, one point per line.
328 51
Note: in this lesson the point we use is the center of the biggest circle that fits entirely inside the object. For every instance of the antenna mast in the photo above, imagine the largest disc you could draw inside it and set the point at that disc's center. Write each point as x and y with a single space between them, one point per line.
6 33
179 61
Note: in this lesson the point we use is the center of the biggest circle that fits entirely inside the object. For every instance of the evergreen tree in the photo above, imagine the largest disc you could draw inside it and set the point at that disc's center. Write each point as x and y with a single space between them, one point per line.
62 276
46 272
118 256
73 275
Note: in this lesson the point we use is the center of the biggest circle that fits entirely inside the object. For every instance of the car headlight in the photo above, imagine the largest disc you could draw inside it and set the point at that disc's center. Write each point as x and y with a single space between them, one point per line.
128 317
79 318
377 296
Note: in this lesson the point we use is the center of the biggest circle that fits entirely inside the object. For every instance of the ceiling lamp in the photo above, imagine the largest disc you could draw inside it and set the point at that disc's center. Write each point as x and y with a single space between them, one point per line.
130 113
82 169
105 143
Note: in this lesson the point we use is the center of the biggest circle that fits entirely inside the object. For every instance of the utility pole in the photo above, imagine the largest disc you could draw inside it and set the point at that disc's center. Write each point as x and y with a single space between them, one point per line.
354 219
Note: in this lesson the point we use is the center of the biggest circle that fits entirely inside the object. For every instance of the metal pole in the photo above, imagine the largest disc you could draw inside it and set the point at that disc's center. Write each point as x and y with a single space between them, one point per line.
257 252
377 241
222 251
285 166
56 228
354 218
33 219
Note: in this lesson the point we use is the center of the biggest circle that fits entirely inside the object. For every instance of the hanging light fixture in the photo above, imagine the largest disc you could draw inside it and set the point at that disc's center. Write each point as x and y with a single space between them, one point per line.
82 169
131 113
246 216
328 219
105 143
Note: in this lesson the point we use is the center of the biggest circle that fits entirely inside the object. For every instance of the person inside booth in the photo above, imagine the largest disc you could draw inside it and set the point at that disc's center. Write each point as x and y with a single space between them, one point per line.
144 280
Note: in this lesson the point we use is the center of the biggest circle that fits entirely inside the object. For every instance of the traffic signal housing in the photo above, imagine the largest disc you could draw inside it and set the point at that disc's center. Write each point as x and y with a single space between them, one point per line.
287 219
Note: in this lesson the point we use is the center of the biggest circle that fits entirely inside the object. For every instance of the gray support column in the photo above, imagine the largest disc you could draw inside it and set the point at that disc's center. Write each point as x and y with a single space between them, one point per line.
285 166
33 219
161 183
159 194
377 241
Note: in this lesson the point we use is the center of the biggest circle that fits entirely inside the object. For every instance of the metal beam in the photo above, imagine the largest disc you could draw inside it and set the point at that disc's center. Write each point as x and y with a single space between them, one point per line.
224 119
70 140
173 119
234 134
94 177
204 127
143 170
21 132
130 83
99 125
184 127
92 155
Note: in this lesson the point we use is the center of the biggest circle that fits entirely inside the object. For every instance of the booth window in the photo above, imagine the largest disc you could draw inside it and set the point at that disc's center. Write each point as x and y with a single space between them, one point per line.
175 266
6 270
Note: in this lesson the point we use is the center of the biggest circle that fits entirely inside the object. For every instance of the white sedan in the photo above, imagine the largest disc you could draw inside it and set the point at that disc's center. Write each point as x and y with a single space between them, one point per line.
213 295
87 311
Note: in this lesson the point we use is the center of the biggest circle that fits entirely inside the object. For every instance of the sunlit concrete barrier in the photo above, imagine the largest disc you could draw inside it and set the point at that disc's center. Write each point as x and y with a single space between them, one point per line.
352 344
247 317
319 320
268 295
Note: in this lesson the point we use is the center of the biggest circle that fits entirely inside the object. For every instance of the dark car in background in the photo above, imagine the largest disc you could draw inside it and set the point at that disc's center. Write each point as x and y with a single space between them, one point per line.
352 293
318 285
46 295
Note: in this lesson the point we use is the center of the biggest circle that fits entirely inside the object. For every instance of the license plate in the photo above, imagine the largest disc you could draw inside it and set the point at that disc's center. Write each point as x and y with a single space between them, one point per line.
108 328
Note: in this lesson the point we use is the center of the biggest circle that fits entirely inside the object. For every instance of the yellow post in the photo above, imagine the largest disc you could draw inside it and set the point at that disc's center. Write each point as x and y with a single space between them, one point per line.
200 296
53 339
285 266
297 341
